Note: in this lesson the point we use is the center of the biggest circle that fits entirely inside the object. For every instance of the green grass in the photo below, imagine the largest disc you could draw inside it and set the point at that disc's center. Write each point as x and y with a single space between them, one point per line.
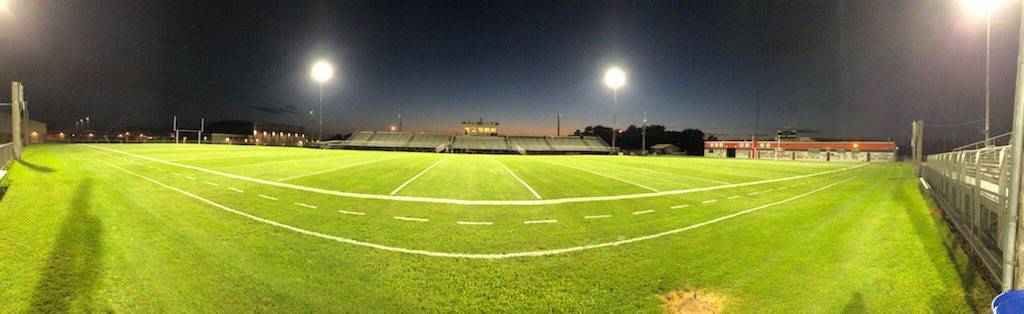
78 234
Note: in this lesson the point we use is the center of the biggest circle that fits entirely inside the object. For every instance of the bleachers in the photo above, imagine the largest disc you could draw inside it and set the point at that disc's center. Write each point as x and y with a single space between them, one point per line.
389 139
430 141
568 144
596 144
530 144
480 143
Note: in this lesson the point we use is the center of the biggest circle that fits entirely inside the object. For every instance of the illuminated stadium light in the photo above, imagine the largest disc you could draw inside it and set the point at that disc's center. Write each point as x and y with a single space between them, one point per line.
615 78
982 7
322 71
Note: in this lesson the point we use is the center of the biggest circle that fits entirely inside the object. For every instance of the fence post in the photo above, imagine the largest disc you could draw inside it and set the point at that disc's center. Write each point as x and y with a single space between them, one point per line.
16 102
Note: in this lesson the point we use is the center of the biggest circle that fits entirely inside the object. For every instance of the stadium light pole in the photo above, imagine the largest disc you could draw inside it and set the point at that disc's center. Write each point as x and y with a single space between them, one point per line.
985 7
322 72
614 78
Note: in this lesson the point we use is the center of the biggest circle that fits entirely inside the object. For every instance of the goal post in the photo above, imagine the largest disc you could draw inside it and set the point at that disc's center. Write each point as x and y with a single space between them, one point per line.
199 133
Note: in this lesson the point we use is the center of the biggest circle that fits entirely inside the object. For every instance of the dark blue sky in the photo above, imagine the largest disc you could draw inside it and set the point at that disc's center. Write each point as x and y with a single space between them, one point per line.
861 69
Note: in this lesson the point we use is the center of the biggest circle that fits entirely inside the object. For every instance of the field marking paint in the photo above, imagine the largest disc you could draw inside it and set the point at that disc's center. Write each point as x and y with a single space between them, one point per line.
399 188
666 173
530 222
190 178
643 212
351 213
518 179
175 173
211 183
411 219
478 202
286 161
732 197
597 217
334 169
603 175
268 197
768 190
753 193
236 190
161 169
474 222
680 206
471 255
709 201
305 205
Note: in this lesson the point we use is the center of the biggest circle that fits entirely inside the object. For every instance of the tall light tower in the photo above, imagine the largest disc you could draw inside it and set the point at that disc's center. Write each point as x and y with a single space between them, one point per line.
985 7
322 72
614 78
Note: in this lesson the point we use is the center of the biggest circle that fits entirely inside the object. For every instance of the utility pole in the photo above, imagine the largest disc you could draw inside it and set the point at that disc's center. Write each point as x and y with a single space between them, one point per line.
399 122
643 134
558 125
177 134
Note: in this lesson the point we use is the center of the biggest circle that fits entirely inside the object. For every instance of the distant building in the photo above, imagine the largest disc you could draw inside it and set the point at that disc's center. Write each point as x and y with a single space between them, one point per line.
809 151
255 133
665 149
35 131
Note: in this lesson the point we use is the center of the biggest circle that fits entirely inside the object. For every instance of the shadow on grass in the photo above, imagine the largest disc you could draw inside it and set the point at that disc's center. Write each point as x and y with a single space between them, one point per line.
35 167
856 304
74 269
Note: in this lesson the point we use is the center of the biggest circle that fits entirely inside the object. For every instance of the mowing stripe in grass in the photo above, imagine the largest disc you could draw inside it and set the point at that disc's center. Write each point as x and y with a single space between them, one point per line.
268 197
334 169
399 188
470 255
305 205
411 219
709 201
680 206
211 183
478 202
604 175
236 190
518 179
597 217
351 213
643 212
474 222
530 222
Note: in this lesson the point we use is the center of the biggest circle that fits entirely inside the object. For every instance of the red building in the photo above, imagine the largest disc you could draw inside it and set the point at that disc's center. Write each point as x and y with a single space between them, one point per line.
811 151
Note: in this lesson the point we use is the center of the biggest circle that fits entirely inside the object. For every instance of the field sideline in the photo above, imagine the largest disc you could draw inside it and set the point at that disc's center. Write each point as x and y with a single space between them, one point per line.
242 228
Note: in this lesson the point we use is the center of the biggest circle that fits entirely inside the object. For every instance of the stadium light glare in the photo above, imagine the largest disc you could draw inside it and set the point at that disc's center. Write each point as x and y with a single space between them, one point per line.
615 78
322 71
981 7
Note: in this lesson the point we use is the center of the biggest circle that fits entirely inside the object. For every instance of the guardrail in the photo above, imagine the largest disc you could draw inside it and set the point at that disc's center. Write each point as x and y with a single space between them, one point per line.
998 140
971 188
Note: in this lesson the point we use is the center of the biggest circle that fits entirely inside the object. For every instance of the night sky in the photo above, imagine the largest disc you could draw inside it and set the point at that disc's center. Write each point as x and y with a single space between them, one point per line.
861 69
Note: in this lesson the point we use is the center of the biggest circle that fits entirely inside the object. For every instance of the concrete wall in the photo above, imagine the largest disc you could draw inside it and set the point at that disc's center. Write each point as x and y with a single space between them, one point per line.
715 152
883 157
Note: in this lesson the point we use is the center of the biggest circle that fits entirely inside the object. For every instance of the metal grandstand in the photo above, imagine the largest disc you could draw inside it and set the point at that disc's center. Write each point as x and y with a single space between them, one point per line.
412 141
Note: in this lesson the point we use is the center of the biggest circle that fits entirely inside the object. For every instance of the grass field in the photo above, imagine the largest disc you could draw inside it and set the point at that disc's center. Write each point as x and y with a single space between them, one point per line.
174 228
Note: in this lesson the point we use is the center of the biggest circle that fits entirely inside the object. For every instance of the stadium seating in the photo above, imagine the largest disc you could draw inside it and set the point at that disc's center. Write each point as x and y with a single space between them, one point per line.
530 144
441 142
430 141
481 143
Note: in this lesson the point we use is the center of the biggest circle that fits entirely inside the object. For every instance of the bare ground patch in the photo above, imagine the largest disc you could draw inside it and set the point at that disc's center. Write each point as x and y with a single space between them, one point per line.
692 301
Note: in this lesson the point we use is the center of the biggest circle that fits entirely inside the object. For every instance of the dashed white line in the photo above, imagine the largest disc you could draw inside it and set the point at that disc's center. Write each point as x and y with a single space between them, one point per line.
211 183
530 222
268 197
474 222
411 218
768 190
305 205
680 206
351 213
732 197
236 190
709 201
416 177
190 178
643 212
597 217
753 193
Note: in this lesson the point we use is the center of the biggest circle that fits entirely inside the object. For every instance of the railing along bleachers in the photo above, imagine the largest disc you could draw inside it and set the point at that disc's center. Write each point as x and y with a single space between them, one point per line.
389 139
481 143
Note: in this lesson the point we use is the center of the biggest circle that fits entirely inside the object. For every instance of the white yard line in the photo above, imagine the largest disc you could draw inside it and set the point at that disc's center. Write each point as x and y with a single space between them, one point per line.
680 206
351 213
236 190
211 183
268 197
643 212
753 193
411 219
474 222
528 187
530 222
597 217
399 188
305 205
604 175
709 201
477 202
190 178
732 197
336 169
470 255
768 190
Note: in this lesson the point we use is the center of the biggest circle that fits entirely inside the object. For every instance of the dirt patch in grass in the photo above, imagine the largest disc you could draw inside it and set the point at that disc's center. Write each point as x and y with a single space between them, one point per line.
692 301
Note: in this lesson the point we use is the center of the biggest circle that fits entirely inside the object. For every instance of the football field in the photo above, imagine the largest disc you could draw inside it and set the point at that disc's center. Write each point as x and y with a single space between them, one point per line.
253 228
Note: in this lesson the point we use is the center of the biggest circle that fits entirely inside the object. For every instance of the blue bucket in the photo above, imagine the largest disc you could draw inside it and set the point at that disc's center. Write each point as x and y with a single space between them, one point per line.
1009 302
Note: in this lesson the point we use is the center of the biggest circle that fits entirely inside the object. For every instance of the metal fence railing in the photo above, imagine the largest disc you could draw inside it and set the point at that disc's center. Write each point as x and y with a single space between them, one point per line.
971 187
6 155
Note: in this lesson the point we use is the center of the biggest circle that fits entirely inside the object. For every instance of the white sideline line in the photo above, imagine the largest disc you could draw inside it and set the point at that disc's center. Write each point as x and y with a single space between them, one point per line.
643 212
470 255
597 217
477 202
411 218
351 213
211 183
518 179
753 193
268 197
604 175
732 197
530 222
474 222
190 178
709 201
335 169
236 190
680 206
399 188
305 205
